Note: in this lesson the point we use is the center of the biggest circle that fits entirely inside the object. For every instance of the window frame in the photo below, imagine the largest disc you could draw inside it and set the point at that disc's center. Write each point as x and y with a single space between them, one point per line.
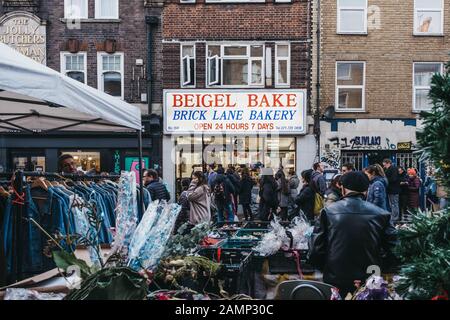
98 11
250 59
416 10
63 69
338 25
234 1
415 88
183 85
100 71
84 15
288 59
363 87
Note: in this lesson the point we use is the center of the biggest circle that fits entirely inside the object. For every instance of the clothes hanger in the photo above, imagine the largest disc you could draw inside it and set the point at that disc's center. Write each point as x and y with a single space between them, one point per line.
3 192
39 183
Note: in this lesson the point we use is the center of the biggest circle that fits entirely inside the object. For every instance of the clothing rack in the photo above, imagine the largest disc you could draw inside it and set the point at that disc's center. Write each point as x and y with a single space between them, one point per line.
20 204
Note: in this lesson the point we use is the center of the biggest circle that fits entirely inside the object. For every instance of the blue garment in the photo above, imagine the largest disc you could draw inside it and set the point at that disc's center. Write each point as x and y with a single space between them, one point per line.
228 211
377 192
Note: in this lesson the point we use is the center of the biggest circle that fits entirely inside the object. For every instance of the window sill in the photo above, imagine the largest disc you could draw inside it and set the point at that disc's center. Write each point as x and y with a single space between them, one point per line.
352 33
65 20
351 111
428 35
420 111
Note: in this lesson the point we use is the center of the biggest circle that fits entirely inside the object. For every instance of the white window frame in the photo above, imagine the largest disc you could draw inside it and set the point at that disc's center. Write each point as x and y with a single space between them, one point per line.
363 87
235 1
221 59
288 59
65 54
100 71
415 88
416 24
187 1
184 85
83 15
338 26
98 11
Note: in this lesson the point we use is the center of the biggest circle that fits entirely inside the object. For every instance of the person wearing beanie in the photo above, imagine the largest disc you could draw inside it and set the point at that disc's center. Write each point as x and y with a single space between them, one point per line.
413 190
351 235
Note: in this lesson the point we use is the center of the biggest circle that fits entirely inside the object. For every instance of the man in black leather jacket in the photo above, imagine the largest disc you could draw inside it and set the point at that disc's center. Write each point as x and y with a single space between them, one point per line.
351 235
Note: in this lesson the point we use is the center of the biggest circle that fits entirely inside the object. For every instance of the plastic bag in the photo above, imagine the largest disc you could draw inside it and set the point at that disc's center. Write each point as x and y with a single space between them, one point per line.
26 294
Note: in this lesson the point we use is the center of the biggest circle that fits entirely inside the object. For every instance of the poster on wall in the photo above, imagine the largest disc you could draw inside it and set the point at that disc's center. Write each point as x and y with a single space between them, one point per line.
235 112
132 165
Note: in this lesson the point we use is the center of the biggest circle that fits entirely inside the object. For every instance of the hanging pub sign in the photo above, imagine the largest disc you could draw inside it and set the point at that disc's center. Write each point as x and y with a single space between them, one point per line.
25 33
235 111
404 146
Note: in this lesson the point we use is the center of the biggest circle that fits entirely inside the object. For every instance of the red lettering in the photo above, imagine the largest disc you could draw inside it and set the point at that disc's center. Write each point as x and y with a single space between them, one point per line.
291 98
265 101
252 100
229 101
189 101
177 101
206 104
276 100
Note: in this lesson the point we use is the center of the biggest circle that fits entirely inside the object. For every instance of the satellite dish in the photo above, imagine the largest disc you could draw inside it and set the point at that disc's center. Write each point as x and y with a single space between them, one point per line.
329 112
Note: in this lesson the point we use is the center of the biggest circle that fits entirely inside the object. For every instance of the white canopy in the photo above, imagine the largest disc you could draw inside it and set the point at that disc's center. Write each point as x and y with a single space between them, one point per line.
33 96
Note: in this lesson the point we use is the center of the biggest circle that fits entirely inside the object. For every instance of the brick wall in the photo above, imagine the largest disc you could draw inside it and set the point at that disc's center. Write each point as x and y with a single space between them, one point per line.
263 22
389 53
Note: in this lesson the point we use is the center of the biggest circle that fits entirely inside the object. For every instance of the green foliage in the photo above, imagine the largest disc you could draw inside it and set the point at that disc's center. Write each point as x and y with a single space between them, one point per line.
184 242
64 260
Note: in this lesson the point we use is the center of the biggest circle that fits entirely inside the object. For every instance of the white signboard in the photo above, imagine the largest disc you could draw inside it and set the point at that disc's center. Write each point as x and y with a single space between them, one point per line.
25 33
235 111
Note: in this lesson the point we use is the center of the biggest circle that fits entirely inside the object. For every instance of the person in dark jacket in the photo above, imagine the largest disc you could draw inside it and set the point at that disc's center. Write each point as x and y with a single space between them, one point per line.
351 235
223 195
333 193
157 189
318 181
245 194
236 181
183 201
268 200
305 199
377 189
404 190
413 190
393 188
283 193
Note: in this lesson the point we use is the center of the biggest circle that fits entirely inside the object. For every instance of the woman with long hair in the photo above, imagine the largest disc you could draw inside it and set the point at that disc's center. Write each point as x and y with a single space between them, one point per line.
377 193
333 193
199 199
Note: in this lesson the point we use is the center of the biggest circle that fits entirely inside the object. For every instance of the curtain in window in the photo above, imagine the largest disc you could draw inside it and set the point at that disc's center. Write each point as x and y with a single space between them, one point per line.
108 8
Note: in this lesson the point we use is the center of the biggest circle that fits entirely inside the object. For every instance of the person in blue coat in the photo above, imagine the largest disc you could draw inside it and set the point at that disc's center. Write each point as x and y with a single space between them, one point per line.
377 193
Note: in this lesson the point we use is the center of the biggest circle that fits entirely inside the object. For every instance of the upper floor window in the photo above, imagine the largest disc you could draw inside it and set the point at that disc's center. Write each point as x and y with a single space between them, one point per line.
188 65
352 16
76 9
229 1
74 66
282 65
111 73
235 65
106 9
423 73
350 86
428 17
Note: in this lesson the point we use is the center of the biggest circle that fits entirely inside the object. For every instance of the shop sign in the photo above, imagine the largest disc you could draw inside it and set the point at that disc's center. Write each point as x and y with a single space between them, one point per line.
25 33
235 112
404 146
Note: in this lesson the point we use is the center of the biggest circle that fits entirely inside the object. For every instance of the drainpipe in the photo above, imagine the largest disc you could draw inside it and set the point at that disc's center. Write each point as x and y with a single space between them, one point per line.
152 22
317 115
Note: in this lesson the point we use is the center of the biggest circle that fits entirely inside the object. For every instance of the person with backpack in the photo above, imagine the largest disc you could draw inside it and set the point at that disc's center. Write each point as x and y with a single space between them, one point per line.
319 185
198 196
223 196
305 199
268 202
245 194
283 193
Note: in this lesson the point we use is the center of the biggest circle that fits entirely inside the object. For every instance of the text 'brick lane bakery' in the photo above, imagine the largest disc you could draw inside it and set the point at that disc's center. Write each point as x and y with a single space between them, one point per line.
230 127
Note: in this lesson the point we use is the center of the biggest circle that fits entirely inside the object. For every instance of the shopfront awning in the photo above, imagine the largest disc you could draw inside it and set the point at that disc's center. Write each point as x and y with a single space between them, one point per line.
35 98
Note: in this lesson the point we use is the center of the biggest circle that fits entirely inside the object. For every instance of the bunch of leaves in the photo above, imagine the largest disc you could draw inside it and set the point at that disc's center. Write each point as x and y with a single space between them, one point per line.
193 272
186 240
424 250
434 137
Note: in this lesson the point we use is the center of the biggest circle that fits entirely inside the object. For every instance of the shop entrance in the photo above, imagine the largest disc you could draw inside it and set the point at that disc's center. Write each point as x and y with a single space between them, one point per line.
374 157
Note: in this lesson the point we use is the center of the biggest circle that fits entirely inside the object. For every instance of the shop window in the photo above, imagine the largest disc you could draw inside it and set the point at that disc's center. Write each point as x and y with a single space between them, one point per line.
111 74
350 86
85 160
357 158
423 73
407 160
352 16
282 65
74 66
188 65
428 17
106 9
237 65
29 163
76 9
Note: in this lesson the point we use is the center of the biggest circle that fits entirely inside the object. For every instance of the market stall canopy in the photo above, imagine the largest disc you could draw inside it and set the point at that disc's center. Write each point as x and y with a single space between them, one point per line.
35 98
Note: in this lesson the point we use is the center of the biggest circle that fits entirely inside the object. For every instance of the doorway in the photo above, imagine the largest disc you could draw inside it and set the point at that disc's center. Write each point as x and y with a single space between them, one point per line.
374 157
